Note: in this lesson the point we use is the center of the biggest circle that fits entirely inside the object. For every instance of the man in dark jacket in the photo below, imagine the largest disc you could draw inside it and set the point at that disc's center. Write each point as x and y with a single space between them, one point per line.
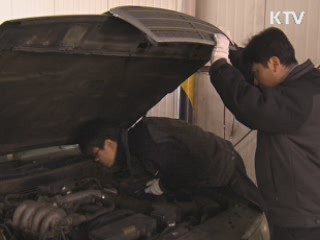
175 154
284 107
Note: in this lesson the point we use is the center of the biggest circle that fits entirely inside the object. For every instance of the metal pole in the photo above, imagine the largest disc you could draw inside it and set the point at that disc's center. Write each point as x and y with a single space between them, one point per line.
186 100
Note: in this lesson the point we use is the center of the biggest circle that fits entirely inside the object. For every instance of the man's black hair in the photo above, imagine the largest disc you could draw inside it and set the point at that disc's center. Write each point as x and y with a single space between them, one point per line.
93 134
270 42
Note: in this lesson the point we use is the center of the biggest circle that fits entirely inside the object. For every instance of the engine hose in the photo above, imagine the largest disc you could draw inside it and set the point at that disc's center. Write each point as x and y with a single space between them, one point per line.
23 213
82 197
39 217
19 211
52 219
27 216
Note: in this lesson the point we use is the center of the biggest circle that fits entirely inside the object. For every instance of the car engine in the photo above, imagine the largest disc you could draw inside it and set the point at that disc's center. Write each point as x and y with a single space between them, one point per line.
75 198
99 213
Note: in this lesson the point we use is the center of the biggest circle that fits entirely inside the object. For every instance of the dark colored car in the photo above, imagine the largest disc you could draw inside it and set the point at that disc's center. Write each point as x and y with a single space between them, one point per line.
57 73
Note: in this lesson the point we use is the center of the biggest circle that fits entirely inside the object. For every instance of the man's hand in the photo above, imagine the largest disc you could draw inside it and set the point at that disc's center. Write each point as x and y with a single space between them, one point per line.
221 50
153 187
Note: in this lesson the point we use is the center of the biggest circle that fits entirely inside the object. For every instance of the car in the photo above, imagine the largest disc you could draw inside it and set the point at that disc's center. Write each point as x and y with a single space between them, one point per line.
57 73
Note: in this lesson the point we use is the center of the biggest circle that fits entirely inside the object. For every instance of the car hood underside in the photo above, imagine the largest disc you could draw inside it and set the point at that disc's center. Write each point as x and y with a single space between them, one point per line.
58 72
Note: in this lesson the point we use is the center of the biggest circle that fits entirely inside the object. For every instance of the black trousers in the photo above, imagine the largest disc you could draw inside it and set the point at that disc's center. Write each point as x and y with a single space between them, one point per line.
282 233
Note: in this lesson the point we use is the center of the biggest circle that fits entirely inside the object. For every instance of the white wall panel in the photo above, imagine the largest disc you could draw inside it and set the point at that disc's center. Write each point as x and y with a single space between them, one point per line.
5 10
10 9
102 6
242 18
209 109
80 6
305 36
167 107
30 8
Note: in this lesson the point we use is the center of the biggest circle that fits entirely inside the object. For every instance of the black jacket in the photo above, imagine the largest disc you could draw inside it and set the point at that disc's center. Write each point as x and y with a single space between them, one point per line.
180 154
184 156
287 118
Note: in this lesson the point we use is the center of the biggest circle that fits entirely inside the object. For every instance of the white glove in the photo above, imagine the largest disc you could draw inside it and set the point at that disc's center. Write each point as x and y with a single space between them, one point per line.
221 50
153 187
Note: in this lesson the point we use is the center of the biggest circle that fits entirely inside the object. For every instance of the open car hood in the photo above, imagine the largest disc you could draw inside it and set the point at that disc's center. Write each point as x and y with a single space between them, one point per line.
58 72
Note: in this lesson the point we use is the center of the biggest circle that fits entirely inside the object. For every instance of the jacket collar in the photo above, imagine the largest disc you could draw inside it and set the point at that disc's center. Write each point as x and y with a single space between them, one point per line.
300 70
123 155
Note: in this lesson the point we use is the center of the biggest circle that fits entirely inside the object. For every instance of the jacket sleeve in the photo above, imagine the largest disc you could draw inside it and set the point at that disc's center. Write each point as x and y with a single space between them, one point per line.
238 61
170 160
267 109
176 167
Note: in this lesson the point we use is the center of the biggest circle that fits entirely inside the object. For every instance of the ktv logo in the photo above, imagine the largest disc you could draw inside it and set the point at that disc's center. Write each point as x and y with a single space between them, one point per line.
286 17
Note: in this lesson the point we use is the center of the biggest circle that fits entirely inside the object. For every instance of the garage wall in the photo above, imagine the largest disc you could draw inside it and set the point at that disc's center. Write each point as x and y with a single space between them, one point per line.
245 18
242 18
13 9
10 9
305 36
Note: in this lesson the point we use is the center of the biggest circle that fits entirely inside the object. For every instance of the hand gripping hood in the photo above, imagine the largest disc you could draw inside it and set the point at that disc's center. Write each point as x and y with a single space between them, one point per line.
58 72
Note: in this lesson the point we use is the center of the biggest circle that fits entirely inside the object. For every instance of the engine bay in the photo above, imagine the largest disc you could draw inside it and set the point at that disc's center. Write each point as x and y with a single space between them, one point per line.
74 198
